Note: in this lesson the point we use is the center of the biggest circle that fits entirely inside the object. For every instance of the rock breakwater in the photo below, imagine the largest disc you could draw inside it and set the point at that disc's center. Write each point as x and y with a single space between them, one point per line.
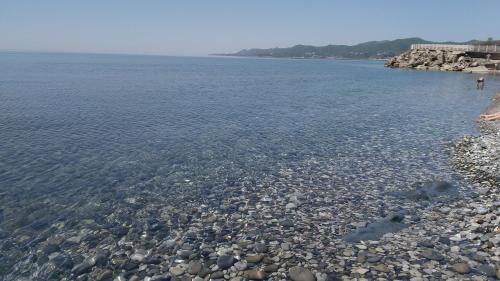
441 60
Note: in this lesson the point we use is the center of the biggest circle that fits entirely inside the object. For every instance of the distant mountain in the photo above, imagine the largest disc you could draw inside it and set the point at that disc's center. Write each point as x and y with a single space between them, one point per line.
369 50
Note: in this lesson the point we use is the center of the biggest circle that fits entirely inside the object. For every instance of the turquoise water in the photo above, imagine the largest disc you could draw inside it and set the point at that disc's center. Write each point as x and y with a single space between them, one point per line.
83 134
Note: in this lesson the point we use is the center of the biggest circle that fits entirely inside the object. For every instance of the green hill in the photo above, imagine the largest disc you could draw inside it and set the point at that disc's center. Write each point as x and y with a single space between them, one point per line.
372 50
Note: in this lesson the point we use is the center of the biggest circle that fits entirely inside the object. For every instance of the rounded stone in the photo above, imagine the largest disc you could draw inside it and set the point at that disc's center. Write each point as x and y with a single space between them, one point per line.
165 277
240 266
104 275
177 270
298 273
254 275
185 254
225 262
254 258
260 248
217 275
432 255
487 270
81 268
374 259
461 268
271 268
138 257
382 268
194 267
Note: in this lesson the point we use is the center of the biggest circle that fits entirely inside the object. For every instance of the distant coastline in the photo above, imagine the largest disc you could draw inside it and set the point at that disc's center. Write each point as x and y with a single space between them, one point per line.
374 50
301 58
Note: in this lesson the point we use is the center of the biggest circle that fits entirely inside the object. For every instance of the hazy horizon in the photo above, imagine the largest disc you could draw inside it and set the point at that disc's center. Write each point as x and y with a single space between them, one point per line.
198 28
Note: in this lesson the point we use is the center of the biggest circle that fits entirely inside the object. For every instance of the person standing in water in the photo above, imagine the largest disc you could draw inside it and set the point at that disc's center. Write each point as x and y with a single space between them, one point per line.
480 83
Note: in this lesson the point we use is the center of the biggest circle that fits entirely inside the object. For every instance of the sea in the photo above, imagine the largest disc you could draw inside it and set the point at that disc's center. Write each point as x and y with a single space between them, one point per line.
84 137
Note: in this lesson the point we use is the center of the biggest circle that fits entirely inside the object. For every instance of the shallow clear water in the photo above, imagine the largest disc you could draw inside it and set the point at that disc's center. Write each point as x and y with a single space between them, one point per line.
81 129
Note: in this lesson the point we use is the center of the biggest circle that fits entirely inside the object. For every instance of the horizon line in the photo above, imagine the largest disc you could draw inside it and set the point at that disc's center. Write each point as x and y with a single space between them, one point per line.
209 54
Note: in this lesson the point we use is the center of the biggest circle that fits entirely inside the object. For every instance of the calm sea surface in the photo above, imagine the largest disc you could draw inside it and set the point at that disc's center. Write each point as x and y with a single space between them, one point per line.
80 129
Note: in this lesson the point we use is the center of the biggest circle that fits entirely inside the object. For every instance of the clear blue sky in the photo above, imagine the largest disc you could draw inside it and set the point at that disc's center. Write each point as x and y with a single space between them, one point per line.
199 27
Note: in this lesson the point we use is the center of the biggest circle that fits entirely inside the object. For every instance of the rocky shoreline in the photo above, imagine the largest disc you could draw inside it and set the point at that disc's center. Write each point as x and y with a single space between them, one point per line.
479 157
441 60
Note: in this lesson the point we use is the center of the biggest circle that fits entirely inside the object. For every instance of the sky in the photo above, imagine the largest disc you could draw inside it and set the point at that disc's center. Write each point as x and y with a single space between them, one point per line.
201 27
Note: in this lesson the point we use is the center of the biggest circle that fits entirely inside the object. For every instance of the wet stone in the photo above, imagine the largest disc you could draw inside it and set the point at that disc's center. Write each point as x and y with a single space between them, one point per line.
271 268
479 257
432 255
183 218
255 275
360 270
301 274
120 277
254 258
444 240
164 277
129 265
101 258
204 272
168 244
217 275
487 270
286 246
461 268
82 268
194 267
225 262
374 259
185 254
103 275
50 248
260 248
138 257
119 231
268 260
374 231
240 266
61 261
287 223
426 244
429 191
153 260
177 270
362 257
381 268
